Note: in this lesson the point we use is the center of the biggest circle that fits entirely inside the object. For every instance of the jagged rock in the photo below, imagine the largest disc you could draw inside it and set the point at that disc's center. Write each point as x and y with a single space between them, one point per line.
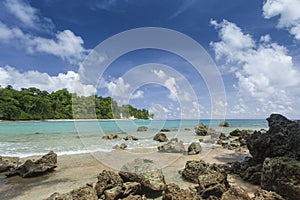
266 195
224 124
174 192
31 168
7 163
111 136
145 172
165 130
173 146
113 193
135 197
282 175
160 137
131 137
201 129
131 188
235 193
142 128
84 193
122 146
107 180
282 139
222 136
193 168
194 148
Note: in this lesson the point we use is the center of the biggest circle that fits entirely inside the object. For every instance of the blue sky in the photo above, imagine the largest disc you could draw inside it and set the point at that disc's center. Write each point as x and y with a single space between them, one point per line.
255 45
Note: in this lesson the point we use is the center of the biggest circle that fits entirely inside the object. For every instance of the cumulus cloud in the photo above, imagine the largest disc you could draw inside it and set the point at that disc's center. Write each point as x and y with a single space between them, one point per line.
264 70
11 76
27 15
160 73
288 12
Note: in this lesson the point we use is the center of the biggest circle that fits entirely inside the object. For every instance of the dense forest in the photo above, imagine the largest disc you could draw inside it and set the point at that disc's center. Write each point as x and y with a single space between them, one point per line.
34 104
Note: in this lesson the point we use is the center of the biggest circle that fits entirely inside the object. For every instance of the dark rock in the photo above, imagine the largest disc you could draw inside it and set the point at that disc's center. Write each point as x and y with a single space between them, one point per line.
235 193
8 163
282 175
145 172
160 137
135 197
45 164
111 136
174 192
201 129
142 128
84 193
122 146
113 193
131 188
222 136
224 124
194 148
107 180
173 146
131 137
165 130
266 195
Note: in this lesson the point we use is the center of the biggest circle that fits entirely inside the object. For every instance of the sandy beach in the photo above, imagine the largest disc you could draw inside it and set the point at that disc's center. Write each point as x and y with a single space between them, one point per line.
74 171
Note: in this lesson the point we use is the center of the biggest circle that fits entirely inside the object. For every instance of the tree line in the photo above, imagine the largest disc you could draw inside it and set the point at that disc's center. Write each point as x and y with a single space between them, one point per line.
34 104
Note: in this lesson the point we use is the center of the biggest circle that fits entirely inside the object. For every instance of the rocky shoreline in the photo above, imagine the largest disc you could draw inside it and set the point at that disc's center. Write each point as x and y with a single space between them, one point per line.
273 165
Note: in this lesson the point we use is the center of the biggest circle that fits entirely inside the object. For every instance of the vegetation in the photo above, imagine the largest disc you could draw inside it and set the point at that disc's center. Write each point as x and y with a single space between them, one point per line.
34 104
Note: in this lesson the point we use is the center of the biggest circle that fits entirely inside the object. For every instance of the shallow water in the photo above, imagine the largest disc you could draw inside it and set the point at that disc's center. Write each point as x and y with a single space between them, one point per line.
71 137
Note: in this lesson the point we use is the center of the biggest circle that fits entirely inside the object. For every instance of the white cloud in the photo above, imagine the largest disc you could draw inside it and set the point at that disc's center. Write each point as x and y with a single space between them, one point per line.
28 16
138 94
66 44
265 71
288 12
11 76
160 73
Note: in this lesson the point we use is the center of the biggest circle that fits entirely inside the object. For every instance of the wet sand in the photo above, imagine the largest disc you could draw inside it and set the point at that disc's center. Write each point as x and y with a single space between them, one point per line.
74 171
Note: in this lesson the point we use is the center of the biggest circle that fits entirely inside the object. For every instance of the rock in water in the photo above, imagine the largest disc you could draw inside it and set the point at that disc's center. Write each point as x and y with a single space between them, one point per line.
194 148
173 146
107 180
122 146
266 195
142 128
30 168
282 175
84 193
224 124
201 129
173 192
7 163
131 137
235 193
160 137
145 172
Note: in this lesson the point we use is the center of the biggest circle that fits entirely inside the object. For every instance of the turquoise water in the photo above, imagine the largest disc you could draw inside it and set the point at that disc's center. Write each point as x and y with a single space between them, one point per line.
71 137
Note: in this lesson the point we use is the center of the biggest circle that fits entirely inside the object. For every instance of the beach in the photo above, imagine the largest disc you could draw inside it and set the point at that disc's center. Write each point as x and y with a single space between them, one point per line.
74 171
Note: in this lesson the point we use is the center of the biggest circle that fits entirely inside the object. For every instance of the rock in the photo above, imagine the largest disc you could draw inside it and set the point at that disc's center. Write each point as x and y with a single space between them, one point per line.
282 175
142 128
113 193
131 137
84 193
282 139
160 137
201 129
235 193
111 136
107 180
122 146
174 192
165 130
131 188
30 168
266 195
145 172
224 124
173 146
187 129
222 136
194 148
135 197
7 163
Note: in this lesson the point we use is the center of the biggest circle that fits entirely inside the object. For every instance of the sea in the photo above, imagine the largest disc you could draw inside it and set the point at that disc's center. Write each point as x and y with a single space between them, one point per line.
32 138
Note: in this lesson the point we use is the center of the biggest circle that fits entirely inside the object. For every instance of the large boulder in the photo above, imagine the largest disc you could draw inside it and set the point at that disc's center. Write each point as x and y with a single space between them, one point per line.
266 195
194 148
282 175
173 146
201 129
160 137
84 193
7 163
282 139
235 193
30 168
145 172
107 180
174 192
142 128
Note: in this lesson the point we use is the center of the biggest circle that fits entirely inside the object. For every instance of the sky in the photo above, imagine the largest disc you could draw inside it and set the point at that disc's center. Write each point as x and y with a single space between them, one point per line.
250 47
